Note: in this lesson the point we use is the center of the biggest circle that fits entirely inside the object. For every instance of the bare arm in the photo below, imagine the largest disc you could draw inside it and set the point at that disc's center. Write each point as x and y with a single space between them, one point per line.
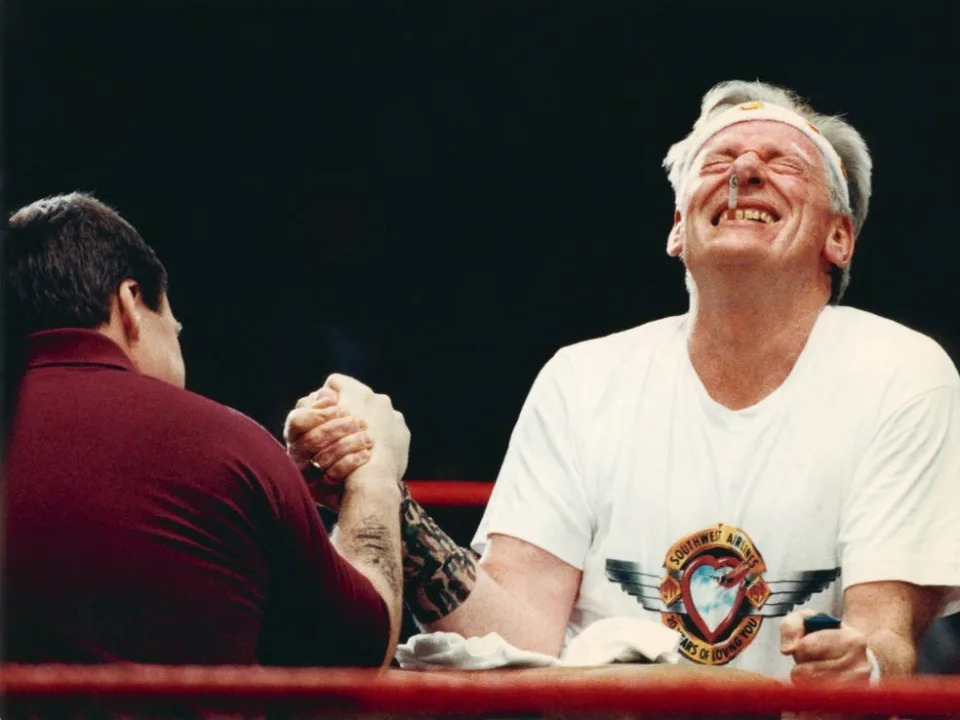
887 617
518 590
892 616
367 535
348 471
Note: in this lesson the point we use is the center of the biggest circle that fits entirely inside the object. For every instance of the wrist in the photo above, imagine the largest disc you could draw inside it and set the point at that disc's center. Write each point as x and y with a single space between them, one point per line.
375 472
372 484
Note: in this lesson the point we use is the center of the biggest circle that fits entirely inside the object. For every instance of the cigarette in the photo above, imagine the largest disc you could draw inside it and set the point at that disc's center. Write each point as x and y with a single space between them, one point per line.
732 202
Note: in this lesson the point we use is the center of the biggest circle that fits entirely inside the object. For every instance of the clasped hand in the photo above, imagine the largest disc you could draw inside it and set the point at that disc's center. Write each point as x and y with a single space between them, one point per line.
342 433
839 653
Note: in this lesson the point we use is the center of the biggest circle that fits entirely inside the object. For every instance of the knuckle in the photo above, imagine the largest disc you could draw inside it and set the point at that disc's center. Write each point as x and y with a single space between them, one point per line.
306 400
291 432
325 415
309 444
350 462
346 444
329 424
338 471
802 652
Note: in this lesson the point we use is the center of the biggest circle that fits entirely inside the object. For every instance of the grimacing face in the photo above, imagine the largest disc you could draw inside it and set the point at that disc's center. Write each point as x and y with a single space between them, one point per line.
782 189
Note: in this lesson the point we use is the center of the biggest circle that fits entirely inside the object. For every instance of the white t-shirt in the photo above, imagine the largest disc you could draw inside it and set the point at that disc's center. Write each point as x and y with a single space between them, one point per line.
718 522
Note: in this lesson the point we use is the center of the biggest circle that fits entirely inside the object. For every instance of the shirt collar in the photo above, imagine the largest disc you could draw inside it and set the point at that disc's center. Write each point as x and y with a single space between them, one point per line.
74 346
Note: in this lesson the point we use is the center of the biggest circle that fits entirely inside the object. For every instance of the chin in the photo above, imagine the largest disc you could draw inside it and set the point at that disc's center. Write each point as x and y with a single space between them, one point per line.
739 246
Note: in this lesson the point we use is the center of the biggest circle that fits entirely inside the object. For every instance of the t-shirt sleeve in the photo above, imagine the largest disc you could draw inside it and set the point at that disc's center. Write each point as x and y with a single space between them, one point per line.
321 611
901 517
539 495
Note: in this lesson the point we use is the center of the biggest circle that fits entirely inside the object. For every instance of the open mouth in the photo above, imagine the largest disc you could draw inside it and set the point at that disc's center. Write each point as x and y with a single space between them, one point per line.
760 216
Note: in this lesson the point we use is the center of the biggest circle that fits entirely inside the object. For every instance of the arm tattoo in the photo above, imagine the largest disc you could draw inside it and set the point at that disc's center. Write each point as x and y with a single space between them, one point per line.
370 543
438 574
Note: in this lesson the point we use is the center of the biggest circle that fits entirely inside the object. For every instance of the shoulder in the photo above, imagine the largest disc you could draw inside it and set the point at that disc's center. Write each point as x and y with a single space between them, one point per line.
203 424
634 345
581 376
877 349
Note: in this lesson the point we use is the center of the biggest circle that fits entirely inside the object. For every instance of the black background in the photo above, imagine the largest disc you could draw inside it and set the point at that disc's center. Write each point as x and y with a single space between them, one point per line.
435 196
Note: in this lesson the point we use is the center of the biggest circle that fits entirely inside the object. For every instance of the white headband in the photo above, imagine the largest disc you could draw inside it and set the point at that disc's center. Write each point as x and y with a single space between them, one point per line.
759 110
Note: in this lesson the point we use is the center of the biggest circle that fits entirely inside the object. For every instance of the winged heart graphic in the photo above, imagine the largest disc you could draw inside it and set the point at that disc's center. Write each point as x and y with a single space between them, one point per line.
715 591
710 604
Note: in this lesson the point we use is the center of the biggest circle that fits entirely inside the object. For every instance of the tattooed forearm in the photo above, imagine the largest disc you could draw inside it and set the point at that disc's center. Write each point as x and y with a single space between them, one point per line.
369 542
438 574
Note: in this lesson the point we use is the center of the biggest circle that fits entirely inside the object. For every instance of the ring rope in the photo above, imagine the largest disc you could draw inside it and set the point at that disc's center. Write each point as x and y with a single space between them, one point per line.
450 493
491 692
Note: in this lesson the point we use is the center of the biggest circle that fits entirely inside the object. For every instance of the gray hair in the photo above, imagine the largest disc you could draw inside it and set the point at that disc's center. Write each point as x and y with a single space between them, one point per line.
848 143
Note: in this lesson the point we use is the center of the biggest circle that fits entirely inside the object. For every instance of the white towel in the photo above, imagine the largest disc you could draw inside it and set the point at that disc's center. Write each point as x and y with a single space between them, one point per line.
614 640
447 650
623 640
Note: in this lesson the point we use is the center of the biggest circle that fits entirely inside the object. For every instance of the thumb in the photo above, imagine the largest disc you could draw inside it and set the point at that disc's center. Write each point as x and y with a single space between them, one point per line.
791 630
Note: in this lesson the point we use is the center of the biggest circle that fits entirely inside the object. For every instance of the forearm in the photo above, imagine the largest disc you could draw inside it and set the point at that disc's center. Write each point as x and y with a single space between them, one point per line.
895 654
447 589
490 608
892 616
367 535
438 574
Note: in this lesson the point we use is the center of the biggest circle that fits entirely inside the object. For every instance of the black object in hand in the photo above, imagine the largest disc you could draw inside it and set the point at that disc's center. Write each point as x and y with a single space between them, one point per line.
820 621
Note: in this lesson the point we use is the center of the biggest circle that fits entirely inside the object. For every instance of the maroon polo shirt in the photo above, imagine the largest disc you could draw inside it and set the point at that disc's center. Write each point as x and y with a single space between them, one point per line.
146 523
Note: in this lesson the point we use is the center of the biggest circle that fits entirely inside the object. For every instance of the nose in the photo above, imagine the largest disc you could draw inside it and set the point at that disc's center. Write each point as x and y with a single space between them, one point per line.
748 169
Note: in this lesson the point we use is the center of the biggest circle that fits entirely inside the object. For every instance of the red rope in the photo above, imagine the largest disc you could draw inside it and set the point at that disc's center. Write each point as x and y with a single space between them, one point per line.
459 493
666 691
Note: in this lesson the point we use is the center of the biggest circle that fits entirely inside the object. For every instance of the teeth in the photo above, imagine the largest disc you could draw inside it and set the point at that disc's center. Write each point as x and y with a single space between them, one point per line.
749 214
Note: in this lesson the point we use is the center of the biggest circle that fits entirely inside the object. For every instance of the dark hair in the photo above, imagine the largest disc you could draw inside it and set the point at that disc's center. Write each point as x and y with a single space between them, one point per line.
64 258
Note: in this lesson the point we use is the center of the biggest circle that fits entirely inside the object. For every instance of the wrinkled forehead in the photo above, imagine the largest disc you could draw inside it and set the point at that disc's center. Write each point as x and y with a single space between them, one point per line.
765 137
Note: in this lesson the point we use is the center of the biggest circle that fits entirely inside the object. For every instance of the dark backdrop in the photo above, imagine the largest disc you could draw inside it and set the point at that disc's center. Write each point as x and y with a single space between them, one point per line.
435 196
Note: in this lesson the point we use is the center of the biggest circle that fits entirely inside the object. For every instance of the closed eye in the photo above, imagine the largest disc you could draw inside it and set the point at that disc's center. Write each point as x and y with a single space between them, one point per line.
788 164
715 164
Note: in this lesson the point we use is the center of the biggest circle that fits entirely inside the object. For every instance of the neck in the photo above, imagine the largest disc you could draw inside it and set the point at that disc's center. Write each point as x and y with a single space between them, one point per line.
745 337
113 330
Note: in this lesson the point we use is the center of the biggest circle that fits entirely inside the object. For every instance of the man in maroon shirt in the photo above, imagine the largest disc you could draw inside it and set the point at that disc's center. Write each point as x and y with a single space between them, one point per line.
146 523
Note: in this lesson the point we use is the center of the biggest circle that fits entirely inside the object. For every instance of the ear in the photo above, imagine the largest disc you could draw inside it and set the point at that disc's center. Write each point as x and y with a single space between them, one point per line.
675 238
838 248
128 307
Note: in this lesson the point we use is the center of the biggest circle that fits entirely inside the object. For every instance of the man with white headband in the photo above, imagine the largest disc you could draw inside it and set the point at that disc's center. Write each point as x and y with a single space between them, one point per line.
731 471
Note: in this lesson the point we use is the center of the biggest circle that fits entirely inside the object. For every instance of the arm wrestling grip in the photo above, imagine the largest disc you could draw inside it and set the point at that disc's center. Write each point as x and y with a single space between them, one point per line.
438 574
